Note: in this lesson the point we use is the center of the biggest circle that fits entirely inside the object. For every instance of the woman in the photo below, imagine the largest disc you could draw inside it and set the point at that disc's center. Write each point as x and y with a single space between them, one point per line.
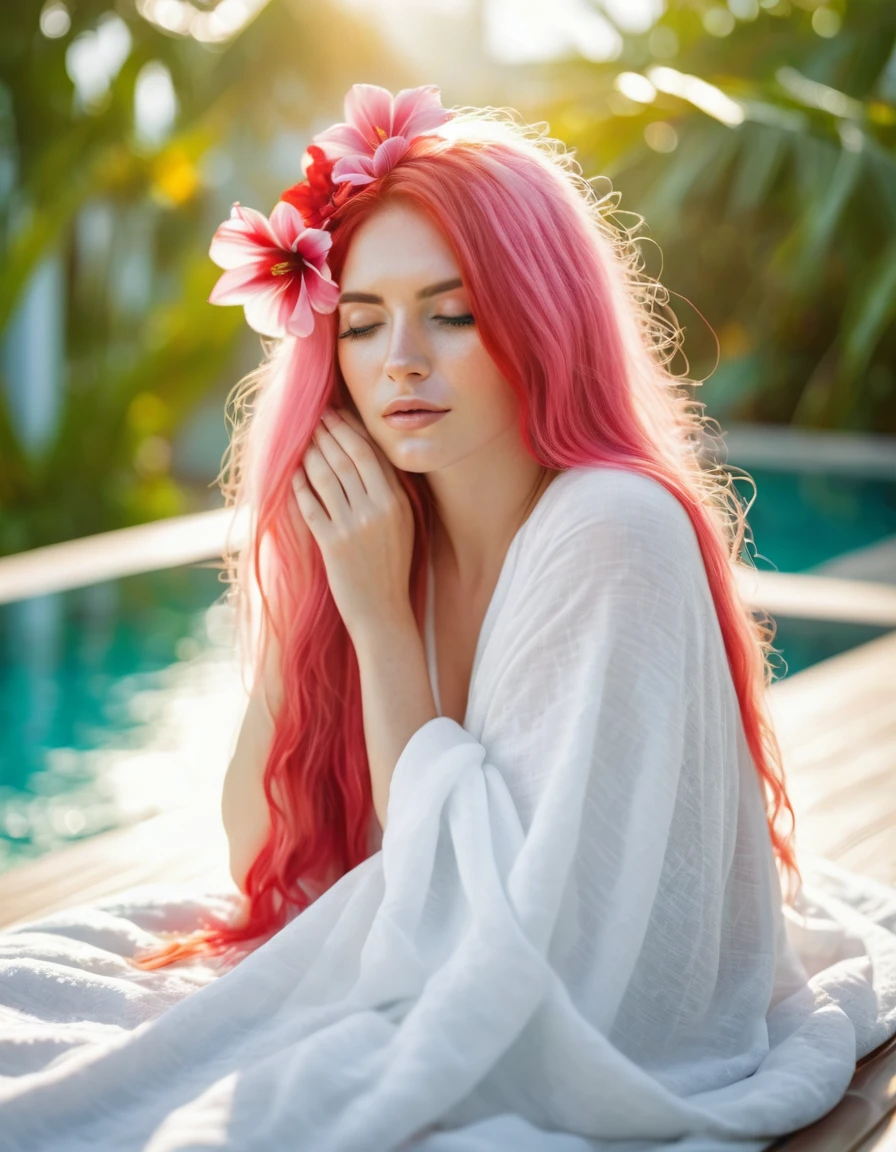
504 808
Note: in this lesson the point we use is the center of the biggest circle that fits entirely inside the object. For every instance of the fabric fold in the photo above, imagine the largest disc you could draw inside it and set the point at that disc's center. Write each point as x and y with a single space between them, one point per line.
571 938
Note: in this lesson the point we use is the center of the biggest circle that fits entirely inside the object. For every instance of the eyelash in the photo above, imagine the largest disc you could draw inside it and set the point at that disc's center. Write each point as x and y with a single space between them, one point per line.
450 321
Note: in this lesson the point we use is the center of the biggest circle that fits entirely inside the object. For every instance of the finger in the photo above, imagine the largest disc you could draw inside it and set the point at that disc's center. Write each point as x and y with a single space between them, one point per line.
345 416
348 420
351 417
390 471
349 431
343 466
326 485
313 512
367 461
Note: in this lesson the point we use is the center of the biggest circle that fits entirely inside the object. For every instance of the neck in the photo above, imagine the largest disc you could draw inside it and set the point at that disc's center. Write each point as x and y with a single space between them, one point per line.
480 504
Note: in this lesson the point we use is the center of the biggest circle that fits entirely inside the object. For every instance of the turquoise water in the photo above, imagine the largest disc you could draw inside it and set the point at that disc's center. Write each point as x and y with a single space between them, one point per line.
86 675
83 676
800 519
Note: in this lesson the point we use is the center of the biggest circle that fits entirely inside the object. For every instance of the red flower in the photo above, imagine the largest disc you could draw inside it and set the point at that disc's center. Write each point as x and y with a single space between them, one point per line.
317 197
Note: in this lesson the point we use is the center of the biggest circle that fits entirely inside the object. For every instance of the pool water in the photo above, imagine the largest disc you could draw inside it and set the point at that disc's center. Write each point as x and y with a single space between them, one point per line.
114 699
90 682
798 521
801 519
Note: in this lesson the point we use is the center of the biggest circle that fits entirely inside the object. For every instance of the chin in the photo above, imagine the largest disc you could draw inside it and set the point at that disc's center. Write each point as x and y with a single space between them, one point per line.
417 467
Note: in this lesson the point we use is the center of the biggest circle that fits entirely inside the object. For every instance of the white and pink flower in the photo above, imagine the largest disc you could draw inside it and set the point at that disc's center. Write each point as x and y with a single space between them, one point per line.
378 129
276 268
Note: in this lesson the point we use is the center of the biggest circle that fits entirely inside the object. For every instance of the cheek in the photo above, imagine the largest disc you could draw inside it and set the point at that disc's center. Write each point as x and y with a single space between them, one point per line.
345 360
357 368
476 378
462 358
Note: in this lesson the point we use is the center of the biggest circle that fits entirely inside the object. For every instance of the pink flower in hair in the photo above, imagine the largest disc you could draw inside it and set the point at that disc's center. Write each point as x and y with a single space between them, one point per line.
379 129
277 269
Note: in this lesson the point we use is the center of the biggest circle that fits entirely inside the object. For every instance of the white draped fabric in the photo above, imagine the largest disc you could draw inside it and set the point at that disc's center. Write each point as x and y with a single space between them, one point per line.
572 938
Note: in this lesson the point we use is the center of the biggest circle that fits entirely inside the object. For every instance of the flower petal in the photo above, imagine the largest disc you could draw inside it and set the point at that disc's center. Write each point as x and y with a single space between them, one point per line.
369 108
241 239
322 291
300 321
263 308
353 170
418 110
287 224
313 244
388 154
237 284
340 140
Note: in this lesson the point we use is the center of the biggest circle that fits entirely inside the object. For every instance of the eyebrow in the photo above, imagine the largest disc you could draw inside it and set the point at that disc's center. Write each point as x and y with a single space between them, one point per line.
432 290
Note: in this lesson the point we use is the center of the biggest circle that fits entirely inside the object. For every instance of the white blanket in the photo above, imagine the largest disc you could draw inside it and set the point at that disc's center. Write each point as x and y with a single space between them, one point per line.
571 939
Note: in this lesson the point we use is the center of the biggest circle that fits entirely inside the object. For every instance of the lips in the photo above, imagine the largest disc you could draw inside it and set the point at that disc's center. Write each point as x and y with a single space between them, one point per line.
411 404
399 411
422 418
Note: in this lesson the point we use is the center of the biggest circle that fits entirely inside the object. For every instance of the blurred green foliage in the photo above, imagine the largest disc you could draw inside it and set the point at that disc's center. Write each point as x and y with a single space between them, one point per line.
756 138
140 357
777 232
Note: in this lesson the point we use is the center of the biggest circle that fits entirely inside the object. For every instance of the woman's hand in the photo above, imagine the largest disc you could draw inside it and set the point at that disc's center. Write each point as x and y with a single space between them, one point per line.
352 500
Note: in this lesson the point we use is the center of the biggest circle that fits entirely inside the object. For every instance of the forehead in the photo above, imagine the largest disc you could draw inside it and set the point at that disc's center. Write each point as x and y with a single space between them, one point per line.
398 243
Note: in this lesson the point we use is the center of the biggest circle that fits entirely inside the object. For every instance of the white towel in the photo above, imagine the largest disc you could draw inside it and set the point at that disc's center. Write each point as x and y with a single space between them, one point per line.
572 938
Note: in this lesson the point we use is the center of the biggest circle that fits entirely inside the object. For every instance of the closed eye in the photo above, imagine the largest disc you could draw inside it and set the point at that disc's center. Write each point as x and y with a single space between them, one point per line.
448 321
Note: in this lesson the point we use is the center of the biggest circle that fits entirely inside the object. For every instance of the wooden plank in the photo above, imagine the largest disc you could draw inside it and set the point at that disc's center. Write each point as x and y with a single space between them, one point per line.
807 597
863 1119
180 846
148 547
882 1139
836 723
789 449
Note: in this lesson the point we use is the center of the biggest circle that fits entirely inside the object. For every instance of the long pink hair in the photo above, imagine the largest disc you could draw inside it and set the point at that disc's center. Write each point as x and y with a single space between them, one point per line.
565 311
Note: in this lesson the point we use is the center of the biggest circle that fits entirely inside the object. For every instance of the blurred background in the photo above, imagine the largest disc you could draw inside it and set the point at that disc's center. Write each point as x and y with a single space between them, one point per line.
757 139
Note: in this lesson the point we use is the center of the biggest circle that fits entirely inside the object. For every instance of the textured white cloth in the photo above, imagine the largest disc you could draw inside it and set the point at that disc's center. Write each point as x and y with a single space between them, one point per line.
572 937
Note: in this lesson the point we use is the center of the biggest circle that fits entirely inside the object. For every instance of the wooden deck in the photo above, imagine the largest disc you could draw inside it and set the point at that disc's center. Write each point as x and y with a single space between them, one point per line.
180 847
836 722
837 725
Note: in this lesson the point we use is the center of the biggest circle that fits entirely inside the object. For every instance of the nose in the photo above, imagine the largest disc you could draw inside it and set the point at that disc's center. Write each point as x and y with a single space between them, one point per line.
407 356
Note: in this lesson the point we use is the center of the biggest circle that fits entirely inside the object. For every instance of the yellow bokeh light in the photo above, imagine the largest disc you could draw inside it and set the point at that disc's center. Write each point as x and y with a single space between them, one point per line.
176 177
